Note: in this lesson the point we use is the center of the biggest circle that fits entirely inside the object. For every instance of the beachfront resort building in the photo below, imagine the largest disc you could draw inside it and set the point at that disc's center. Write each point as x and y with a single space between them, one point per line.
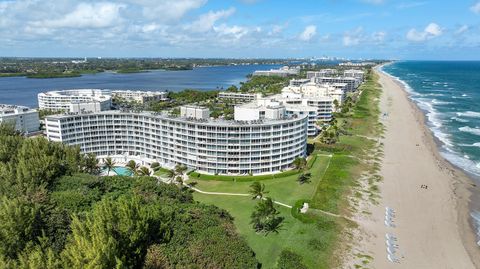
322 73
238 97
352 83
281 72
257 143
141 97
354 73
26 120
77 100
276 105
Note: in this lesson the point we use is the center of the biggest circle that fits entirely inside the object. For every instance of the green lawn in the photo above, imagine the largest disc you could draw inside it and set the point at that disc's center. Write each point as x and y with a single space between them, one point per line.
286 189
307 239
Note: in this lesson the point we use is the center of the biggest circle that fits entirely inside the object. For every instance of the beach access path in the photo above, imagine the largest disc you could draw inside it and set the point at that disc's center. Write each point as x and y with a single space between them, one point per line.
426 220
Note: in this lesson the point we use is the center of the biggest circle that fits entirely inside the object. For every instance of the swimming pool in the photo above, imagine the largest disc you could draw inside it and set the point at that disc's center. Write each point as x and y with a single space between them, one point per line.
121 171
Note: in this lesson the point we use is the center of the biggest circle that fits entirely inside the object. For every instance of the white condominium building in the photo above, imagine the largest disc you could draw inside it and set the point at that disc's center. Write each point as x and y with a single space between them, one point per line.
322 73
299 82
360 64
354 73
140 96
276 107
209 146
26 120
88 100
238 97
282 72
352 83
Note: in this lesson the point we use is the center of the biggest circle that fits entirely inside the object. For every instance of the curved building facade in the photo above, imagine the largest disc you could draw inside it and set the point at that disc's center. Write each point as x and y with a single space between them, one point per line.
68 100
206 145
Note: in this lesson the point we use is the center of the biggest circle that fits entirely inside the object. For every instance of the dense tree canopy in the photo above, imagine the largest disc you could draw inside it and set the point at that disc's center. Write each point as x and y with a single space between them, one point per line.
55 215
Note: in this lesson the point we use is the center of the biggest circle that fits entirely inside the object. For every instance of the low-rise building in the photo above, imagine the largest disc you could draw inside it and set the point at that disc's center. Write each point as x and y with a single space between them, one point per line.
238 97
91 100
282 72
26 120
352 83
354 73
140 96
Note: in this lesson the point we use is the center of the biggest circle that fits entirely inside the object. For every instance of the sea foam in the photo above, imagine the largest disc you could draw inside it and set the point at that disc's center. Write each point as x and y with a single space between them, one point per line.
470 130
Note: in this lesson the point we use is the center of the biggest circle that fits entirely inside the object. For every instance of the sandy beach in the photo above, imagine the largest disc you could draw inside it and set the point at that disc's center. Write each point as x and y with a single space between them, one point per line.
431 224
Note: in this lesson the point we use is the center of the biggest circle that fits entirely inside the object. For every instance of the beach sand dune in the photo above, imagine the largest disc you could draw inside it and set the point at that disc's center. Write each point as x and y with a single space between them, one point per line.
430 223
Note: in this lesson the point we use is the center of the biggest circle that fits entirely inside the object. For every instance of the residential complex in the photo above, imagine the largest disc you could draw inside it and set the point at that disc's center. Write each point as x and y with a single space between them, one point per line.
352 83
26 120
354 73
139 96
322 73
88 100
282 72
238 97
246 145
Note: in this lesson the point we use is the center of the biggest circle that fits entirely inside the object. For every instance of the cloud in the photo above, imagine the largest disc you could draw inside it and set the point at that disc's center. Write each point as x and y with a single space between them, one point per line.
379 37
353 38
408 5
476 8
431 31
206 21
167 10
96 15
462 29
309 32
375 2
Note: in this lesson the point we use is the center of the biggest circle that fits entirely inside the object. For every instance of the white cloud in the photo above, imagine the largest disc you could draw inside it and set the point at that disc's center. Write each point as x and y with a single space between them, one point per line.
375 2
431 31
462 29
309 32
353 38
167 10
206 21
476 8
233 31
97 15
379 37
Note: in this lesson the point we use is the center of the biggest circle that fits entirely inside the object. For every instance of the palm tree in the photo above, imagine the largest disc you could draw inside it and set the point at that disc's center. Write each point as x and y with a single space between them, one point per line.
133 166
304 178
180 169
109 164
265 217
257 190
144 171
299 163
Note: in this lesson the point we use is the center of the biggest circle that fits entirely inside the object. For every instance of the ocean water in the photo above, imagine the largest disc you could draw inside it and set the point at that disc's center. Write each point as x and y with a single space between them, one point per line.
23 91
449 94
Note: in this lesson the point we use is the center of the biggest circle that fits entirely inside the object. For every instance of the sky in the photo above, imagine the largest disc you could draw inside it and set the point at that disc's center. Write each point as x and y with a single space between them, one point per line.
355 29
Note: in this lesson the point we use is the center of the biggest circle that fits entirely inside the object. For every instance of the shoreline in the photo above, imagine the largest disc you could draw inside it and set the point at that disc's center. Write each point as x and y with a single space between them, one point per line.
432 224
463 184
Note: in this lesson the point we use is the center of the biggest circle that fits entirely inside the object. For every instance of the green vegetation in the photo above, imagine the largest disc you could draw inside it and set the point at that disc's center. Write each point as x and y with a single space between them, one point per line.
265 85
54 75
68 67
53 214
314 237
265 218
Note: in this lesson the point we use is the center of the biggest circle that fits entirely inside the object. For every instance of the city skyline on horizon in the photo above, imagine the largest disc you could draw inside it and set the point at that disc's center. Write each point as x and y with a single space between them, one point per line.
242 29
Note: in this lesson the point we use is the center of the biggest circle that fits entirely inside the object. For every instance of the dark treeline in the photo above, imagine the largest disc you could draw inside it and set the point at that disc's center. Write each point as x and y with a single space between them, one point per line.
71 67
56 212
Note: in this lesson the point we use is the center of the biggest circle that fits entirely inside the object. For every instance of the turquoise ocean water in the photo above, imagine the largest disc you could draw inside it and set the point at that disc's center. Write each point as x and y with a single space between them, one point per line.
449 95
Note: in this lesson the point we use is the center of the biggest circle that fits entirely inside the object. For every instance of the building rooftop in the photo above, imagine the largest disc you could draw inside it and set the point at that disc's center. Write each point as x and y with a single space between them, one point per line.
164 115
13 109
